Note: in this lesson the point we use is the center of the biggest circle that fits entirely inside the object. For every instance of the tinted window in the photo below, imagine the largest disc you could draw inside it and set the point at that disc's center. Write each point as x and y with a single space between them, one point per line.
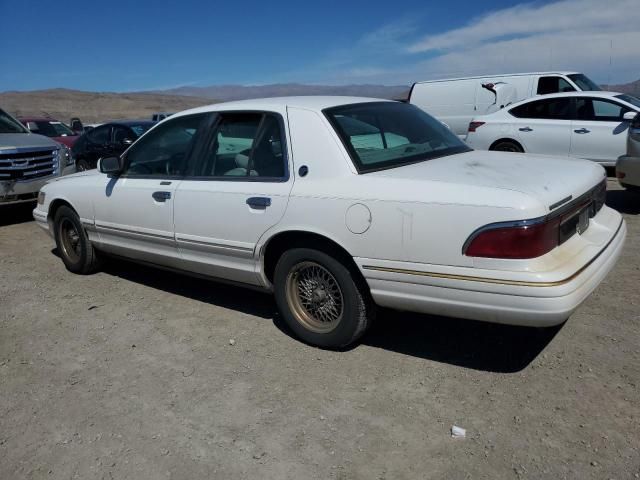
100 135
245 145
553 85
140 128
121 133
49 129
599 110
552 109
163 151
389 134
9 125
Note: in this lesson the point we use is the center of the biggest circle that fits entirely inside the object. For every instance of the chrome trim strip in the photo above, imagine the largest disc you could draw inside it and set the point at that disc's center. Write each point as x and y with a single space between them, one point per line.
243 252
135 234
557 204
500 281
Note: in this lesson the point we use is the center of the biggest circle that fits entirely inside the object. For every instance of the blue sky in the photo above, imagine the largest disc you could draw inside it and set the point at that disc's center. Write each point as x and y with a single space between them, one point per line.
143 45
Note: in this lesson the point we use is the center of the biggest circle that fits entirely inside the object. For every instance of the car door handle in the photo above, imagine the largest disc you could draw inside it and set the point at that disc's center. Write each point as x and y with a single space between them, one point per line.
526 129
259 202
582 130
161 196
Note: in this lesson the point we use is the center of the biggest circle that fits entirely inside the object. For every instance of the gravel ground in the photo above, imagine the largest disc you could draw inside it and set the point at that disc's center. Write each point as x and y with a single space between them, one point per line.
131 374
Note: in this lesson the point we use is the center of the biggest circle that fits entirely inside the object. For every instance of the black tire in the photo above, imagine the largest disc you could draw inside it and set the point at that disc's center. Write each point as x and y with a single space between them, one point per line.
355 306
74 247
82 165
507 146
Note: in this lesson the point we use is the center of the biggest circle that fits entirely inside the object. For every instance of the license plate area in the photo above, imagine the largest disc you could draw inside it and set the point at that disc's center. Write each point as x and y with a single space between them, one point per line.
575 222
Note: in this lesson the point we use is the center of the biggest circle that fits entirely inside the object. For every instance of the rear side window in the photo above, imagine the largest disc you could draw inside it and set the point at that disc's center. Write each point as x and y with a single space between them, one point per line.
245 146
551 109
99 135
548 85
595 109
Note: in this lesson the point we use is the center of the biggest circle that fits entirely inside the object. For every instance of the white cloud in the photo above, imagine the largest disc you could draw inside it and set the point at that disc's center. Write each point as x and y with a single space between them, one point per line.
581 35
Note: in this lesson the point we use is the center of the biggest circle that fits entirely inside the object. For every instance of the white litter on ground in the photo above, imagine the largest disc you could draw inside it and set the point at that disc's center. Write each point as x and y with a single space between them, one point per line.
458 432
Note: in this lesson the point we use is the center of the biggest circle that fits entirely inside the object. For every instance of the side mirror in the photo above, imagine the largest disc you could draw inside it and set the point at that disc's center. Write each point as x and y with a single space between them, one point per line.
629 116
110 165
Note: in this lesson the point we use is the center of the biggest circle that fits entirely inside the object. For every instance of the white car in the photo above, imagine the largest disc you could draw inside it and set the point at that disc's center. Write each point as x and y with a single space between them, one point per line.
338 204
590 125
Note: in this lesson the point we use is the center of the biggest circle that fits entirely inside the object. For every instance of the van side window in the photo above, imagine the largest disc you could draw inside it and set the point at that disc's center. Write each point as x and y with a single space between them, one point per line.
553 85
551 109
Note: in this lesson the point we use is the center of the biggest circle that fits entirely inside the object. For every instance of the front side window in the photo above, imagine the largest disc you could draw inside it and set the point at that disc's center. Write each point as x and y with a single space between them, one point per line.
381 135
594 109
164 150
584 82
548 85
245 145
50 129
550 109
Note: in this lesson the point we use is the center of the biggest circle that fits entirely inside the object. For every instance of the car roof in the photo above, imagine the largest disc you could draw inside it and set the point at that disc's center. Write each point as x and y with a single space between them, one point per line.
37 119
311 102
129 123
555 72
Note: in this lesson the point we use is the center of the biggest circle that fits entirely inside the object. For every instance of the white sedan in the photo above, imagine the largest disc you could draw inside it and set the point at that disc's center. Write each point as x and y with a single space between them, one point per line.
339 204
590 125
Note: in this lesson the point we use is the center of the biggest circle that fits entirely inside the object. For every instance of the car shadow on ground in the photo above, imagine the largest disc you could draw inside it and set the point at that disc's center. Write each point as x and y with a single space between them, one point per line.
465 343
624 201
15 214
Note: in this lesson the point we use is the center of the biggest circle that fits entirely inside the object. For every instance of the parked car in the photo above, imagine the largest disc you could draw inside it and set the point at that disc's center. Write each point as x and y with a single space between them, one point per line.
589 125
111 138
51 128
338 204
456 101
27 161
628 165
159 116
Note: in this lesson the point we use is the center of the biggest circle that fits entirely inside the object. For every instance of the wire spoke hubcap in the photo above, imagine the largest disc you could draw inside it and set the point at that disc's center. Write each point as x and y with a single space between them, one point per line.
70 240
315 297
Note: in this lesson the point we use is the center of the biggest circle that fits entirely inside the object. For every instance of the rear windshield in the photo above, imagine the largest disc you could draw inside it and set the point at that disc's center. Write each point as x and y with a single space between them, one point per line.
584 82
9 125
382 135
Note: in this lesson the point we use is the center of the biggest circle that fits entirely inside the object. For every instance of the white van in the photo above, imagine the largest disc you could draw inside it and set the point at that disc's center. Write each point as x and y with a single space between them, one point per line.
456 101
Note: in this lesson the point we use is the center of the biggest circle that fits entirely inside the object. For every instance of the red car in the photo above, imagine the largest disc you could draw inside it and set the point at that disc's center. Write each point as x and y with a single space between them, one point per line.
51 128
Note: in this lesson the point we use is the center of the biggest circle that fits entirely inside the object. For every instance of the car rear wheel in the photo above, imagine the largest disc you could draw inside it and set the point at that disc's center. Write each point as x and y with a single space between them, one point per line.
320 299
74 247
507 146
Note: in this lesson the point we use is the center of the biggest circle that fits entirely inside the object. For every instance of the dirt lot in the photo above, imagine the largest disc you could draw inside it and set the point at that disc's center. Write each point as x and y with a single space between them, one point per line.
129 374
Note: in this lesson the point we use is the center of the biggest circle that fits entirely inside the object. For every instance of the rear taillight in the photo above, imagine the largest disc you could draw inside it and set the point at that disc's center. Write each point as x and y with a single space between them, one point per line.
522 240
474 125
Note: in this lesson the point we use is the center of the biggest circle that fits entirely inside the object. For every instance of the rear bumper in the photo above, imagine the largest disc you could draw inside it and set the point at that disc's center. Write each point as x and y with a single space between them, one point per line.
498 300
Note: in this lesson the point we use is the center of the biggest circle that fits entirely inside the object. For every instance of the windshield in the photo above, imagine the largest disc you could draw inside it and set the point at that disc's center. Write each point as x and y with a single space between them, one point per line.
10 125
50 129
383 135
139 129
629 99
584 82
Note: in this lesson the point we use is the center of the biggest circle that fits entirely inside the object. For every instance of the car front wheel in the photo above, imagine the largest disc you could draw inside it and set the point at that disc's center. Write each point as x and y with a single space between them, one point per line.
74 247
321 300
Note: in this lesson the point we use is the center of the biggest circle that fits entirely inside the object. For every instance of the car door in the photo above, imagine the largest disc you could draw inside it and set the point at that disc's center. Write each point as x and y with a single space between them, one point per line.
237 189
553 84
599 132
134 211
544 126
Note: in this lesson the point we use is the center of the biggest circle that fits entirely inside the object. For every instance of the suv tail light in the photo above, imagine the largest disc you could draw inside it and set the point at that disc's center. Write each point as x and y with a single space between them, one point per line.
474 125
